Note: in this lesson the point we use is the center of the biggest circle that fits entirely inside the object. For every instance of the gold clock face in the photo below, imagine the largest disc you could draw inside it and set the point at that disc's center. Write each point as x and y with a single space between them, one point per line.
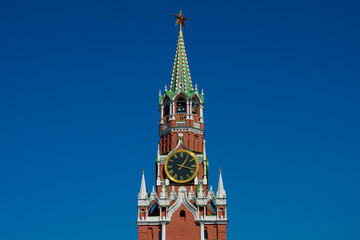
181 166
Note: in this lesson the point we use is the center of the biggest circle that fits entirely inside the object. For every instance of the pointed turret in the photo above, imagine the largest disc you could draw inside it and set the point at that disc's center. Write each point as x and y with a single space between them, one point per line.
221 191
143 193
180 79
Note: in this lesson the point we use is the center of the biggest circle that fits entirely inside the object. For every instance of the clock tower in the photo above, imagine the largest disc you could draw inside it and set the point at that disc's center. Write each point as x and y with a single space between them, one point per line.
182 205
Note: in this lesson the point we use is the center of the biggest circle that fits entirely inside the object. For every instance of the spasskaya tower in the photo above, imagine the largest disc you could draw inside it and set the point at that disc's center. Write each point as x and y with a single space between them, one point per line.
182 206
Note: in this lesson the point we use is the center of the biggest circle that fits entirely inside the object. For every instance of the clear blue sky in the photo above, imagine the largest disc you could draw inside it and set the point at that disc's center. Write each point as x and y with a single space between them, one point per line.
78 113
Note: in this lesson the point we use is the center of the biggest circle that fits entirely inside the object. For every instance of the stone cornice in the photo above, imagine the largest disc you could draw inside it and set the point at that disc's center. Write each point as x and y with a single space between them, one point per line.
181 129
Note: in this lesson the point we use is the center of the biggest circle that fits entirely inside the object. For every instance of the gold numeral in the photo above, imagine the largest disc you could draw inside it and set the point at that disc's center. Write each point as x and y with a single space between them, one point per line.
169 166
192 171
171 171
181 154
171 160
194 165
187 175
175 156
175 176
191 160
181 178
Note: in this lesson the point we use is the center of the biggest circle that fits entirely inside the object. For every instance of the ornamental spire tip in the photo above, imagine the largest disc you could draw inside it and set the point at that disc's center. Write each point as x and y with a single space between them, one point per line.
180 78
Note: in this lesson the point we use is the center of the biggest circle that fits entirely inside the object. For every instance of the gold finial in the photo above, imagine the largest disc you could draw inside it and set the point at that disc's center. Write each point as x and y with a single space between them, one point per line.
220 169
180 19
142 171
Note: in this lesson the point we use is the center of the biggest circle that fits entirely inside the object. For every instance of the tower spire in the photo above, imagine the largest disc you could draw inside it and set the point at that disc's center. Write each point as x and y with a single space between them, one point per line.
180 79
143 193
221 191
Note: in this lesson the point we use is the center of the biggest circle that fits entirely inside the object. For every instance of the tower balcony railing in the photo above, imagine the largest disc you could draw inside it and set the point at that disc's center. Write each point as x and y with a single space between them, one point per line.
180 124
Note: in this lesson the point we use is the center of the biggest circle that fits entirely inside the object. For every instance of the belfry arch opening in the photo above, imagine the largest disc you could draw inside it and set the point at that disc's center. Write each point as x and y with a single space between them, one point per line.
180 105
195 105
166 107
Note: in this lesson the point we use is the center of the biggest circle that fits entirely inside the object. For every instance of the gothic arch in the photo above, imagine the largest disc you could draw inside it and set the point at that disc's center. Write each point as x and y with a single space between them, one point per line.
182 200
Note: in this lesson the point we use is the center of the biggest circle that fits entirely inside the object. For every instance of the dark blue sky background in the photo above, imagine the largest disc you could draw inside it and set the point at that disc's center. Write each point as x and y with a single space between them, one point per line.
78 113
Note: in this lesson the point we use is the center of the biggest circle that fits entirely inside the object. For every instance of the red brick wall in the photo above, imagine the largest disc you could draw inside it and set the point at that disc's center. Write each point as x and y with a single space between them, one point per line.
193 141
148 232
182 229
222 231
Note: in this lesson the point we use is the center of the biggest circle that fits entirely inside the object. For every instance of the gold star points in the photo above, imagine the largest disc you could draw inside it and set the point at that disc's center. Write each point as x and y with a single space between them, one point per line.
180 19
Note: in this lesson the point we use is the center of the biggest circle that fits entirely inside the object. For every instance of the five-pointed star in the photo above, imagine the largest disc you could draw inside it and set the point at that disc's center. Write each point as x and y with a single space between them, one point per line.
180 19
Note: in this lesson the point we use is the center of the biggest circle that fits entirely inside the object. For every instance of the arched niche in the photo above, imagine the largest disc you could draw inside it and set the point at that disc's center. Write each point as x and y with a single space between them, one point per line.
154 209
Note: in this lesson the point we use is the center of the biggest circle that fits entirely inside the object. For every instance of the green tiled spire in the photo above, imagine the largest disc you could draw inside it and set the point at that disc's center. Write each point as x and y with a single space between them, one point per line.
180 79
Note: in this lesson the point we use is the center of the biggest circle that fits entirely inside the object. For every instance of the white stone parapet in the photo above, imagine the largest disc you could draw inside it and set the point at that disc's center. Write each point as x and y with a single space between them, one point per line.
181 198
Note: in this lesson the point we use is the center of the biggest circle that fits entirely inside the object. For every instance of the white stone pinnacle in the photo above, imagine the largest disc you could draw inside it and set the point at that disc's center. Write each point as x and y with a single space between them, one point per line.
200 193
163 194
142 193
221 191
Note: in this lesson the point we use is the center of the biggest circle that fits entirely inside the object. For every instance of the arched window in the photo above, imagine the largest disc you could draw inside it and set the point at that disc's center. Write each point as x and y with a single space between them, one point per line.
180 105
206 234
160 235
182 213
182 216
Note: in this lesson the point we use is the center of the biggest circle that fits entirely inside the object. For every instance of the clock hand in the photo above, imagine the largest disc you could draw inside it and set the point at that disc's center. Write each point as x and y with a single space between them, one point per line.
186 167
182 165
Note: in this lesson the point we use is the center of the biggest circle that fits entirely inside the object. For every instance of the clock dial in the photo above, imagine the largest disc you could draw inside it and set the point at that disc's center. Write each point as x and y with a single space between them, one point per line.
181 166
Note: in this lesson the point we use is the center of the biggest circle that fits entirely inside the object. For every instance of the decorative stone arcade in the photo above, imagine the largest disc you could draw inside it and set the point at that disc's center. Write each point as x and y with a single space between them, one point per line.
182 206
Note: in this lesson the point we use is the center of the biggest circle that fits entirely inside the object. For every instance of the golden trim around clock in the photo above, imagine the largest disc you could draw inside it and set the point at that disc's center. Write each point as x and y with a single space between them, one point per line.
181 166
